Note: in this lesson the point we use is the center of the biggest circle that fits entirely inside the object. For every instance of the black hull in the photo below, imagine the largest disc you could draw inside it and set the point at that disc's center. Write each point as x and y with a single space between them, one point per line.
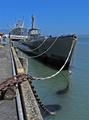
53 63
56 55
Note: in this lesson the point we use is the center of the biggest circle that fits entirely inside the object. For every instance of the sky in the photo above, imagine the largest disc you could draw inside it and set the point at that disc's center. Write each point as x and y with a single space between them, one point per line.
52 17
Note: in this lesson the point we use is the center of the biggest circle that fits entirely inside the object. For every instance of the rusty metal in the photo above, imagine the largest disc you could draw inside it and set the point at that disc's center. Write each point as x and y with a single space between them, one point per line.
18 79
11 82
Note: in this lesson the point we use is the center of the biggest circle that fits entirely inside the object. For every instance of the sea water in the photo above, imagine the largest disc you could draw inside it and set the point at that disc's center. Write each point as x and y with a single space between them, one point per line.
74 104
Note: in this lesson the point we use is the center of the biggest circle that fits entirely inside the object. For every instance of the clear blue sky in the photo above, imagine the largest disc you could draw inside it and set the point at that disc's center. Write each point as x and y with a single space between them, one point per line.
52 16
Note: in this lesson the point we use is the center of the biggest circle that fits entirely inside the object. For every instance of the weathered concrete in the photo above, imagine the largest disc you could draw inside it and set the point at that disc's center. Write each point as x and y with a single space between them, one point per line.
32 111
7 107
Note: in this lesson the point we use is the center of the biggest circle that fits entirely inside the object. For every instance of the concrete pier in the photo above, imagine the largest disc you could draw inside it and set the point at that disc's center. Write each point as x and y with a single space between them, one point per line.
31 108
7 107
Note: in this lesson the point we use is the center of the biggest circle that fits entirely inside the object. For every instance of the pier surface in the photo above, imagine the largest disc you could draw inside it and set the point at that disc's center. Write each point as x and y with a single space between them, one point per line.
30 105
7 107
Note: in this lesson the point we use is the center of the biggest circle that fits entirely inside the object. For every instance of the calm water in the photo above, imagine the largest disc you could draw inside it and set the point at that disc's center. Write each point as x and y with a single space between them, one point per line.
75 102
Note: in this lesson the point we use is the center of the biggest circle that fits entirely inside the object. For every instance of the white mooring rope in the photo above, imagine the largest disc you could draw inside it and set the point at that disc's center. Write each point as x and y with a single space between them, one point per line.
39 45
53 75
45 50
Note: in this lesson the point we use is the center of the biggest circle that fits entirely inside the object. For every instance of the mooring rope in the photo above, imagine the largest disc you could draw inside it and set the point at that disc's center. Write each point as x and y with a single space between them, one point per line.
36 56
53 75
39 45
49 77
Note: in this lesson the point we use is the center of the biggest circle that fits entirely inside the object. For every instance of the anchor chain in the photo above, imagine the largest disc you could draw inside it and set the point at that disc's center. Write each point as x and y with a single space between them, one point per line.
11 82
18 79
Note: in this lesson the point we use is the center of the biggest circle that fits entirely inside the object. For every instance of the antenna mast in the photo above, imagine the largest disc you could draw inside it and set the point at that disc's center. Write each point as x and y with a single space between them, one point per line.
33 19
